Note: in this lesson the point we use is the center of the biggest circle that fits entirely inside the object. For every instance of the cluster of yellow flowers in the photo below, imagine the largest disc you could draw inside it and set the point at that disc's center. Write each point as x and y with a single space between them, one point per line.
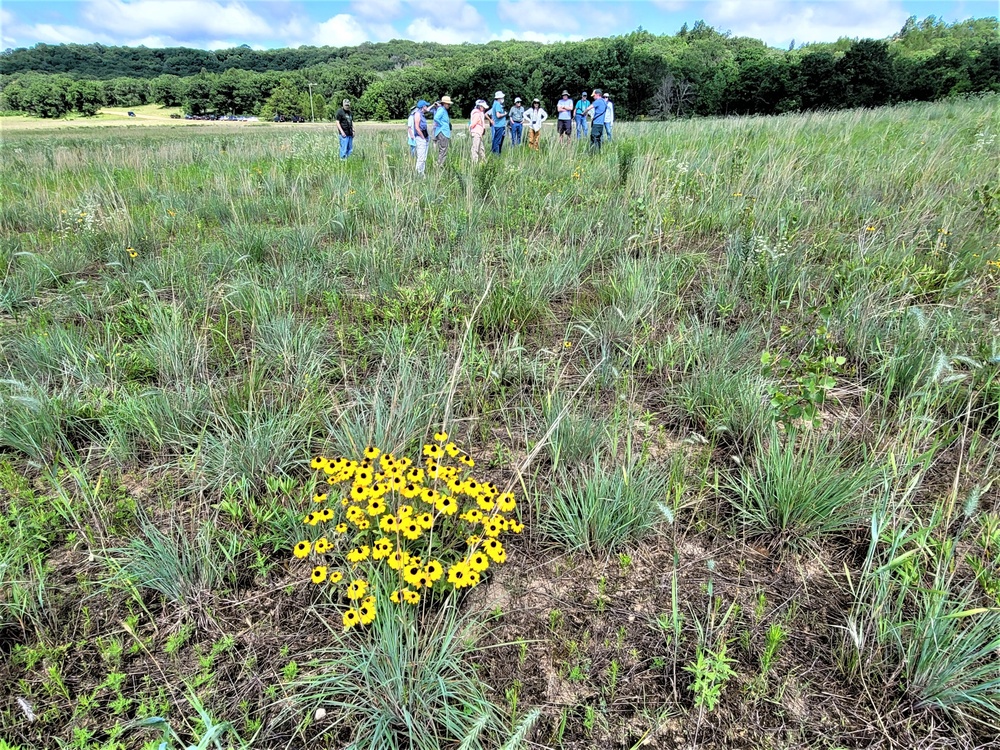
420 521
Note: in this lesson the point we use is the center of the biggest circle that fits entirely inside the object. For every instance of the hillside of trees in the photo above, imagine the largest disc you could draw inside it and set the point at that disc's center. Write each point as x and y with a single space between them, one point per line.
698 71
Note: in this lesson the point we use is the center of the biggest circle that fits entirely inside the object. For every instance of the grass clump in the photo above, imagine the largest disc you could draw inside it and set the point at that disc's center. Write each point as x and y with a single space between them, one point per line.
799 490
605 505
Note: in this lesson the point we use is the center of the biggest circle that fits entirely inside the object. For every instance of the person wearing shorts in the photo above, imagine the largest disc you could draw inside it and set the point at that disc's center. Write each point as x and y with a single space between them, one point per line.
564 120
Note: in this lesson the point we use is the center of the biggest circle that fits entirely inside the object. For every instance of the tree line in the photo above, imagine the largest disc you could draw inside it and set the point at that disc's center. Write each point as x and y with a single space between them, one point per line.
697 71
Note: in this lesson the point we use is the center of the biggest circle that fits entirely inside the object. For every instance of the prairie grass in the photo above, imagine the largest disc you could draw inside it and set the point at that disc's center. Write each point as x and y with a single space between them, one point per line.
187 315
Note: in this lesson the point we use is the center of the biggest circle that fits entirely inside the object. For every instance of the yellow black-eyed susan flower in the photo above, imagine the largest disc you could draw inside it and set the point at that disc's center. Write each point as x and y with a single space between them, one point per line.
366 612
494 548
357 589
394 597
364 477
320 498
411 529
351 618
381 549
132 253
441 436
413 574
485 503
340 528
404 463
433 451
359 493
433 570
458 575
311 519
467 460
472 516
433 469
319 574
473 540
474 579
301 550
371 452
363 524
478 561
336 577
452 450
426 520
358 554
411 597
447 505
376 507
326 514
429 495
318 463
398 559
415 475
404 511
506 502
389 524
322 546
514 527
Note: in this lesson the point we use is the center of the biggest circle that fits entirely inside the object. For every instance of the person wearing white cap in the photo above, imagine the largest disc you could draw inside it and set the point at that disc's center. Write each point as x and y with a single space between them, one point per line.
442 129
516 122
499 116
535 116
477 129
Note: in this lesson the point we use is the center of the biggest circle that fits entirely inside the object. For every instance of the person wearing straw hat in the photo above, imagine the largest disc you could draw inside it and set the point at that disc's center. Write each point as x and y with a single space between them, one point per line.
499 117
477 129
442 129
564 117
581 115
421 134
535 116
516 122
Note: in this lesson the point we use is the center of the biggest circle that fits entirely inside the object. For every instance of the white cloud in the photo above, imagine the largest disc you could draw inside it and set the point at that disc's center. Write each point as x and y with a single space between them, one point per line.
343 30
779 21
59 34
538 36
187 18
540 16
378 9
425 30
671 6
453 14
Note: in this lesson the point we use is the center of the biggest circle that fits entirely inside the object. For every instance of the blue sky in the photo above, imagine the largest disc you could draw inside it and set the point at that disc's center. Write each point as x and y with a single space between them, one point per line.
214 24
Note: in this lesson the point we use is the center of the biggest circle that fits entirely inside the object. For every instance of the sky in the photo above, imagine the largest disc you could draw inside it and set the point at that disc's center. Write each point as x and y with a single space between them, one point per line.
265 24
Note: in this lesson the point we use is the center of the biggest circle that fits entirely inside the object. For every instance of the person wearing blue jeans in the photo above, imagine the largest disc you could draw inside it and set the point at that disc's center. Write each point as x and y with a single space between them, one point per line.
499 116
581 116
345 128
516 114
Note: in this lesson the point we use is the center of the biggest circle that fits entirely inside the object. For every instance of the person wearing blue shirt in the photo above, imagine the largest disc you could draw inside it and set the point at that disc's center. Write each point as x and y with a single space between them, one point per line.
598 109
581 116
442 128
499 117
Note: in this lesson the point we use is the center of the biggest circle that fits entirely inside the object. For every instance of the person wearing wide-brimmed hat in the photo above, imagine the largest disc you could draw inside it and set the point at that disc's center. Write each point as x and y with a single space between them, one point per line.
442 128
499 117
477 129
564 118
582 105
535 116
421 134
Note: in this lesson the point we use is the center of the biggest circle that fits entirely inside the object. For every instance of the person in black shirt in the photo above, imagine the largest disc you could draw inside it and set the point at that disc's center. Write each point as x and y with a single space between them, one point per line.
345 126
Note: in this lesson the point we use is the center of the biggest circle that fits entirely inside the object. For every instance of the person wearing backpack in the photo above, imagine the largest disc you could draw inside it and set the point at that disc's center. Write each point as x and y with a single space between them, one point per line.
421 135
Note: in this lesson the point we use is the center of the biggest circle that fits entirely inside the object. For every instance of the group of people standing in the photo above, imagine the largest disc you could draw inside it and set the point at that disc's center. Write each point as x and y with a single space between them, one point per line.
429 123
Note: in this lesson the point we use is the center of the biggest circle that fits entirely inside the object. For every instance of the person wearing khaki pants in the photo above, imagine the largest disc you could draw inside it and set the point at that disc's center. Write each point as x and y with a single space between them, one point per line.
442 129
477 129
534 117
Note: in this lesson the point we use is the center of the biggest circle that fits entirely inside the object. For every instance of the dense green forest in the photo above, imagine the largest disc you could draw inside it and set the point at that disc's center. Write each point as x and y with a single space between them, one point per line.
698 71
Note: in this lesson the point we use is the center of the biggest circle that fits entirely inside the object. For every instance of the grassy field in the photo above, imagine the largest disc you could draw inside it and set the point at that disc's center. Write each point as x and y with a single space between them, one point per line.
741 377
